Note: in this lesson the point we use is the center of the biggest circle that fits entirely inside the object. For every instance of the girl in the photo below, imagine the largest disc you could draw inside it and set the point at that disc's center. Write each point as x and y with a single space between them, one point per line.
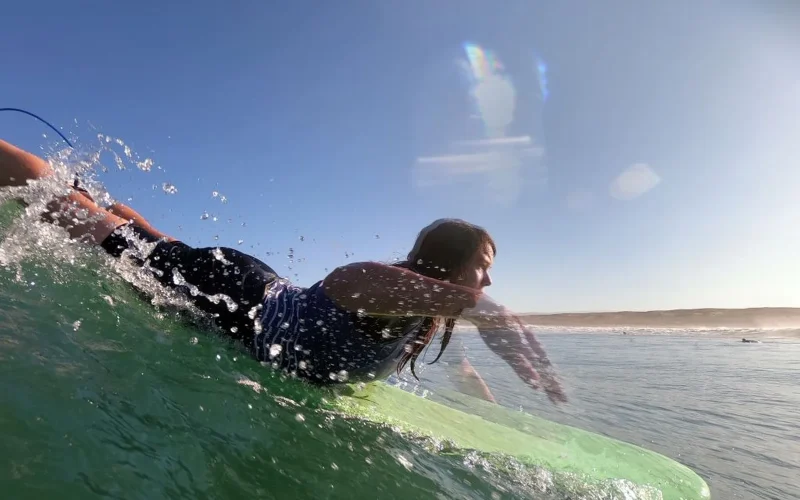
363 321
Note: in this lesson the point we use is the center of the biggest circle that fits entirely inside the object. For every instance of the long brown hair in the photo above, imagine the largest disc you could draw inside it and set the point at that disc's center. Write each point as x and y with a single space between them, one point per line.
442 251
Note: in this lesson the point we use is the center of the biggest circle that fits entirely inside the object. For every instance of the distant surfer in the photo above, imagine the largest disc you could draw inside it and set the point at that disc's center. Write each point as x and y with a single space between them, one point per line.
362 321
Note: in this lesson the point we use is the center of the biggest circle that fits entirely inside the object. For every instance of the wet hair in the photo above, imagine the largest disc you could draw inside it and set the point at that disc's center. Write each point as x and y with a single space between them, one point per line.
443 251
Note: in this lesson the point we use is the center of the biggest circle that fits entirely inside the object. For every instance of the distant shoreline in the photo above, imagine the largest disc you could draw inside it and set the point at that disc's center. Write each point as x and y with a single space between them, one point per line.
761 317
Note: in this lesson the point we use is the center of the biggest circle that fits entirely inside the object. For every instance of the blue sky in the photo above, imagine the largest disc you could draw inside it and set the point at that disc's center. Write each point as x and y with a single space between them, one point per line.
660 172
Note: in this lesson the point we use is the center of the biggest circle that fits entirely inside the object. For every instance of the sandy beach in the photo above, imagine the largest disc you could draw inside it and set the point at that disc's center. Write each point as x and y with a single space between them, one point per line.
756 318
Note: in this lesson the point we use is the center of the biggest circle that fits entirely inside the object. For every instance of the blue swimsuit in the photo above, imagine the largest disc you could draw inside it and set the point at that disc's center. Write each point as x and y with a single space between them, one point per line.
302 331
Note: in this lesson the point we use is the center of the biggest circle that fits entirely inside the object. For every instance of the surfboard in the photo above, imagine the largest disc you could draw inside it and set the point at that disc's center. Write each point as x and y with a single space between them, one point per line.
529 439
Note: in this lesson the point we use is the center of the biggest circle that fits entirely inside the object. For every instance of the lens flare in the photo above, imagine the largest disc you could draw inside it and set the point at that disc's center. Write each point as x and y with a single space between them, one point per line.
483 63
509 152
541 70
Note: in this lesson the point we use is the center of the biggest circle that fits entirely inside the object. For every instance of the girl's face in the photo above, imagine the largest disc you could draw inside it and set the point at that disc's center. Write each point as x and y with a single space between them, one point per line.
476 274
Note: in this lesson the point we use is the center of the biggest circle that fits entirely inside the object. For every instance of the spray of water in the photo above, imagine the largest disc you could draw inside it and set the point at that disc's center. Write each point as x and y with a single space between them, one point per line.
29 239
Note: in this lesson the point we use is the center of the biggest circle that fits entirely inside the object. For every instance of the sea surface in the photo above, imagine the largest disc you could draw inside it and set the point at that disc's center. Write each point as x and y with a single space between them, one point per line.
727 409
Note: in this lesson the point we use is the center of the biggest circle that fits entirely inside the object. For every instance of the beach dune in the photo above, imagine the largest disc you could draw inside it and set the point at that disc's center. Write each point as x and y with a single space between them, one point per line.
763 317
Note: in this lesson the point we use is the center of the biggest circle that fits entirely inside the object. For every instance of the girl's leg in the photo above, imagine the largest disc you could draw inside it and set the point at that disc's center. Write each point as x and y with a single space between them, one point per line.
82 218
222 282
133 216
17 167
241 278
78 214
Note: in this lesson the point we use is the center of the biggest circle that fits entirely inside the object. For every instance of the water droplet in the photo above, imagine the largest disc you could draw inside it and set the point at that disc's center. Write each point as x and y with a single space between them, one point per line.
240 242
146 164
169 188
377 236
219 357
300 418
334 466
76 325
302 238
249 406
214 219
302 365
204 216
234 329
214 193
193 341
275 350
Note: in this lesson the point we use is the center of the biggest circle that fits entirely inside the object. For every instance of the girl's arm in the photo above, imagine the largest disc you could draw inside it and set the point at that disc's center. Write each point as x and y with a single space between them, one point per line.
471 382
516 344
383 290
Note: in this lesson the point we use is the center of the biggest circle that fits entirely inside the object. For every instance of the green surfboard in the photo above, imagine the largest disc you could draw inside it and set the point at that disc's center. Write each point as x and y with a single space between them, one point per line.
531 440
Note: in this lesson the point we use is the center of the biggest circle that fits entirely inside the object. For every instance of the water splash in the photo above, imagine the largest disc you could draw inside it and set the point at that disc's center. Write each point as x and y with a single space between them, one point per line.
27 239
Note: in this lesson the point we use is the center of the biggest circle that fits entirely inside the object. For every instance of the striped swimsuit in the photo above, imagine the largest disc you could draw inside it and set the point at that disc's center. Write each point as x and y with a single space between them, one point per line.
302 331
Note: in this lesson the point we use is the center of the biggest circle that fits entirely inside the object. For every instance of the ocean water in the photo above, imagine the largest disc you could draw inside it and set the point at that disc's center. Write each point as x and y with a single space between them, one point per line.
724 408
